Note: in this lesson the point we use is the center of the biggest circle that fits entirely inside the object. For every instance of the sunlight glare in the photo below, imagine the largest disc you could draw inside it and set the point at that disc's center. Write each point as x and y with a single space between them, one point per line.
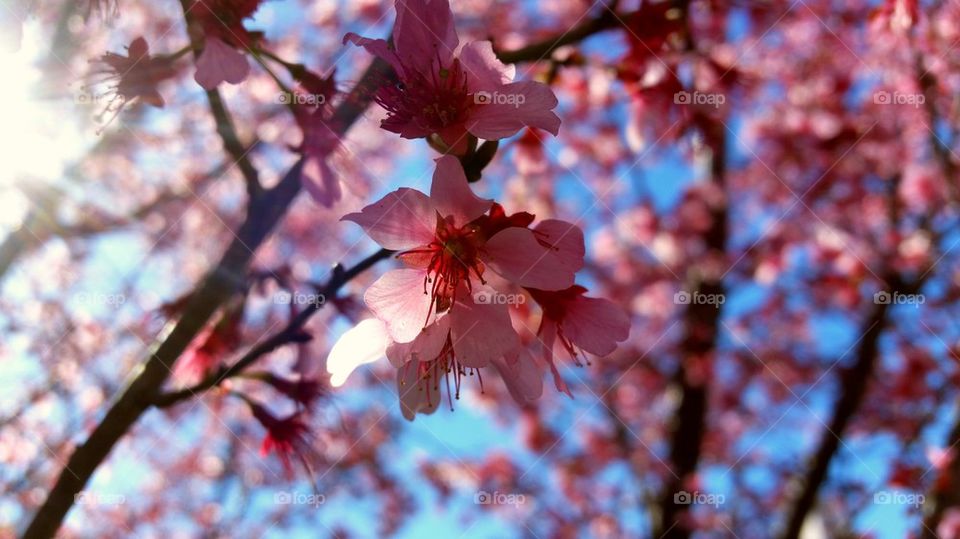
39 136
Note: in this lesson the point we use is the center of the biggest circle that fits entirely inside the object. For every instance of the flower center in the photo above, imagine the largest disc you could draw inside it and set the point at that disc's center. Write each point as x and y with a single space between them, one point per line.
449 261
430 102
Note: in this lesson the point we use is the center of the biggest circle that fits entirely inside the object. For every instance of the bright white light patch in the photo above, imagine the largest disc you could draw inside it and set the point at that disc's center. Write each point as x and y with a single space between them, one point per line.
39 132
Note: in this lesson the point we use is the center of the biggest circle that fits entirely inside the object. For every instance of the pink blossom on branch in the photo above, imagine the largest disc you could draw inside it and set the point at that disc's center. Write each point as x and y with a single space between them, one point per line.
433 320
449 240
225 39
135 76
452 91
579 324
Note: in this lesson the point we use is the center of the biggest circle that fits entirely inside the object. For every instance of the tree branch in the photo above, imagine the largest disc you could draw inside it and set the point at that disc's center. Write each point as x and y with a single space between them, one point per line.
537 51
853 388
945 493
285 336
853 382
701 321
265 212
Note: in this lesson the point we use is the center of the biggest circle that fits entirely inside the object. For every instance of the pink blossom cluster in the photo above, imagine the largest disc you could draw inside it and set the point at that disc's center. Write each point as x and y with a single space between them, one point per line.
440 318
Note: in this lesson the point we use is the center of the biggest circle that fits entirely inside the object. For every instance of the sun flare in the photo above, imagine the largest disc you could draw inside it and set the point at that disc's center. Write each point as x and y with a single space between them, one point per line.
39 134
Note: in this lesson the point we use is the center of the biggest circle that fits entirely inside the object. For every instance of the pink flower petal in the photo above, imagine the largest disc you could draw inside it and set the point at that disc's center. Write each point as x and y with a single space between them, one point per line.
377 47
424 32
529 104
426 347
218 63
516 255
480 332
416 395
362 344
595 325
398 299
565 240
451 194
402 220
521 375
484 70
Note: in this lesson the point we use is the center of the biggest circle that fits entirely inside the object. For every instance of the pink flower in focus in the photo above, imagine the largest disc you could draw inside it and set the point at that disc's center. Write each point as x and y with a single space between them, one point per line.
448 242
580 324
224 37
433 319
448 92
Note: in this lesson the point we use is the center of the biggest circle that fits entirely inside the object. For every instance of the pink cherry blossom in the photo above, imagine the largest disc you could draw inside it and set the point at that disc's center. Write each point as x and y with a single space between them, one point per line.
580 324
450 92
134 76
287 436
225 37
449 240
219 62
